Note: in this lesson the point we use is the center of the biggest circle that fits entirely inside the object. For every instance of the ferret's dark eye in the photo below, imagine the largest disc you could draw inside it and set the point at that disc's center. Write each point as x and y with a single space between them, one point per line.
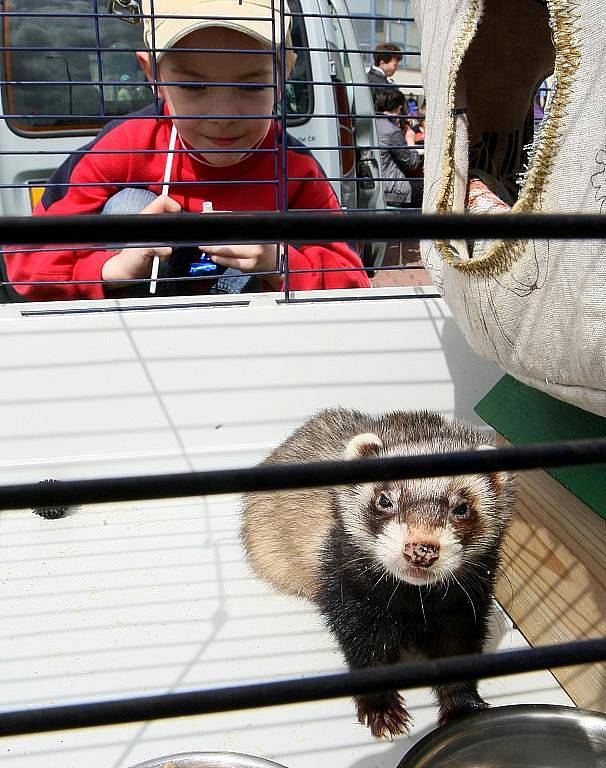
384 502
461 511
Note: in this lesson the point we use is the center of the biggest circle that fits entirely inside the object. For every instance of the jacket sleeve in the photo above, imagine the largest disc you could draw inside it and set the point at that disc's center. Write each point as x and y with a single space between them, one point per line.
49 273
405 157
317 266
306 265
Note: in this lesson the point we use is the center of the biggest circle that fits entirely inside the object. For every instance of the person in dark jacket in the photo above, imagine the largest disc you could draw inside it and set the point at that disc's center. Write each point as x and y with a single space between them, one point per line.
399 160
387 58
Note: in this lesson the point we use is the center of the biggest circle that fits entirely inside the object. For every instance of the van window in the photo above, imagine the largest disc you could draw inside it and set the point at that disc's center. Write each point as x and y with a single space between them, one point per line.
56 67
68 71
388 21
299 92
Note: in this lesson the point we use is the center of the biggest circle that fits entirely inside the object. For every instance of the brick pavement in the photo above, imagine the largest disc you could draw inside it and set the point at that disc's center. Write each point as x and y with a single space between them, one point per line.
411 271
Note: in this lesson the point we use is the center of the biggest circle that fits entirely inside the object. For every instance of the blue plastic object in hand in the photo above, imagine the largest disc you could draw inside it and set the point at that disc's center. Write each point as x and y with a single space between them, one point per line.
204 266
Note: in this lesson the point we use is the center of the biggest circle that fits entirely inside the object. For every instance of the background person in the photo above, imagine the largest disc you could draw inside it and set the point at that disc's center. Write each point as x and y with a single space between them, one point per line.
399 160
226 139
412 105
419 131
540 103
387 59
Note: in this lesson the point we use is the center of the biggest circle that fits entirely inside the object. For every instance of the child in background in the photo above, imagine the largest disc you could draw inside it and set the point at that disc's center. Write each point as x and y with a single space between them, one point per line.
222 134
412 105
399 160
419 130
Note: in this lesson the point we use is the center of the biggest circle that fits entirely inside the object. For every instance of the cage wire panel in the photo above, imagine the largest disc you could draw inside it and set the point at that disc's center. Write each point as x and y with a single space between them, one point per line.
122 600
153 597
71 70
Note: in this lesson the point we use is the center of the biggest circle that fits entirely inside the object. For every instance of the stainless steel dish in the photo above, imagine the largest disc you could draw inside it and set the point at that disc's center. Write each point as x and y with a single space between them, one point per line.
520 736
208 760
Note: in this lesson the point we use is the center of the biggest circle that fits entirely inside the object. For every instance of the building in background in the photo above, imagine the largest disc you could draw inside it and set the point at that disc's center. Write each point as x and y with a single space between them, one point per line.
390 21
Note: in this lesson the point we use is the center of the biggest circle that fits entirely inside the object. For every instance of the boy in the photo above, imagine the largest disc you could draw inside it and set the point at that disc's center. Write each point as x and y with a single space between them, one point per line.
399 159
227 152
387 59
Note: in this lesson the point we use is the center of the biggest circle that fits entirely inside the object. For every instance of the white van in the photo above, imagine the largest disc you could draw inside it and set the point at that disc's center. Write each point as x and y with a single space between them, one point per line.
66 70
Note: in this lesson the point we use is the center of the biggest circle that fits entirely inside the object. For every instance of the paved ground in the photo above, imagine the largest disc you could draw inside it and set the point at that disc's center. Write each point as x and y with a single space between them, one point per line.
404 266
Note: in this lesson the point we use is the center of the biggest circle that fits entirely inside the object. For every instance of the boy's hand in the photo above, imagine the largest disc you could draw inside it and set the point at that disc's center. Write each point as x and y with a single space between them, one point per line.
409 136
132 263
249 258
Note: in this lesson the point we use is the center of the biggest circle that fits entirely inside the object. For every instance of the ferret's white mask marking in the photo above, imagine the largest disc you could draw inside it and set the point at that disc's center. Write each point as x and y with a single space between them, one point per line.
362 446
389 551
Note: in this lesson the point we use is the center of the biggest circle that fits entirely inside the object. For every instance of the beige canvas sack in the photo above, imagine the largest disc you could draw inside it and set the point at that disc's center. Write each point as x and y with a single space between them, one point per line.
535 308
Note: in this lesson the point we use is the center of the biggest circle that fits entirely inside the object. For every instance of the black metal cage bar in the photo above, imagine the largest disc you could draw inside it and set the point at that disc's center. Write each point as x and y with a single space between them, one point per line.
287 476
295 690
297 225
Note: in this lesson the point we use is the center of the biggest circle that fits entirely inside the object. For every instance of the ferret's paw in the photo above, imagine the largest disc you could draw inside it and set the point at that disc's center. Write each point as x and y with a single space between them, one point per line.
385 715
447 714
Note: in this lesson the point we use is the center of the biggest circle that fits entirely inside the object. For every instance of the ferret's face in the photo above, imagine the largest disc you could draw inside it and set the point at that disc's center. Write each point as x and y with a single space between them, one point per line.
426 531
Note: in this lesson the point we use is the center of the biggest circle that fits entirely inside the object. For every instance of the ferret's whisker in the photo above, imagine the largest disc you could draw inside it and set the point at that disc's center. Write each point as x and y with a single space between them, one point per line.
468 597
392 596
476 568
447 584
422 606
384 575
470 587
344 566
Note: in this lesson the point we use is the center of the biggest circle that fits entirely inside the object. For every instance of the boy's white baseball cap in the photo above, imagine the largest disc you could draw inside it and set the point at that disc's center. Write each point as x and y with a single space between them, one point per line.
258 18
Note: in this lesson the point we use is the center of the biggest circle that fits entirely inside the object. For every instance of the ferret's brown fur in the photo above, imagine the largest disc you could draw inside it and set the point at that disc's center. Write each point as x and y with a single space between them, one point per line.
396 568
287 557
284 531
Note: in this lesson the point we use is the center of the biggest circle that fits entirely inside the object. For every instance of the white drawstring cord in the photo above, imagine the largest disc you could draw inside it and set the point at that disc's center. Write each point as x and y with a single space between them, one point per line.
165 185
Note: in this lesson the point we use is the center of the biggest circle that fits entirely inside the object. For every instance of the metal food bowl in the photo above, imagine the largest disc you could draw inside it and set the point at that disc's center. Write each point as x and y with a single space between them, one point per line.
520 736
208 760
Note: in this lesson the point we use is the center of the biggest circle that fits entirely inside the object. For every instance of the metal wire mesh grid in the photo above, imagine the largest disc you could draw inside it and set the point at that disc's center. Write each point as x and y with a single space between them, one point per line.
65 80
142 555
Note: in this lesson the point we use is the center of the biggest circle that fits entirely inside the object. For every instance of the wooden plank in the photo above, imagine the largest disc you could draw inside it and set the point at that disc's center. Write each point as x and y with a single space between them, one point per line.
553 577
524 415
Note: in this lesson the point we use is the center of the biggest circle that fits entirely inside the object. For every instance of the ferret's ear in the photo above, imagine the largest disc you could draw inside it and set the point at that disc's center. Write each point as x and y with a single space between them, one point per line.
363 446
501 481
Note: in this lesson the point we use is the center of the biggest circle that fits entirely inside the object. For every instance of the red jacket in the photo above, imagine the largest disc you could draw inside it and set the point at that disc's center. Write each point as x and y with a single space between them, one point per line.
88 178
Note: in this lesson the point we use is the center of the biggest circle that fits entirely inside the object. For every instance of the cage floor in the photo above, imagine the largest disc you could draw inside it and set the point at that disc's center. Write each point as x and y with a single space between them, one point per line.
121 600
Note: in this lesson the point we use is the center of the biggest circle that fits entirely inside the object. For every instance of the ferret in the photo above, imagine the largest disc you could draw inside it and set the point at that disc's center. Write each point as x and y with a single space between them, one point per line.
399 570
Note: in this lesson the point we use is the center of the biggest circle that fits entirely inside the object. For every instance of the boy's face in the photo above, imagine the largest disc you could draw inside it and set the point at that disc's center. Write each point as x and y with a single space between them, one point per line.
208 103
389 67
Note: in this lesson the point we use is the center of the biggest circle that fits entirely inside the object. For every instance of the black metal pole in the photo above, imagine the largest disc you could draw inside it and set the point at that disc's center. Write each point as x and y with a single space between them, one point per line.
271 477
292 690
301 226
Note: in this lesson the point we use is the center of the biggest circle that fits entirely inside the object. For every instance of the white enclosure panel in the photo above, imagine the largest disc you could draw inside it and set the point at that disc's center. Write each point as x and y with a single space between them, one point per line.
125 599
118 600
122 392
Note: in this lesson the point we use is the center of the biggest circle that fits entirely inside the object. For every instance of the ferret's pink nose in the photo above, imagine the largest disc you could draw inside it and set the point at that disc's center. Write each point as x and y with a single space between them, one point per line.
421 554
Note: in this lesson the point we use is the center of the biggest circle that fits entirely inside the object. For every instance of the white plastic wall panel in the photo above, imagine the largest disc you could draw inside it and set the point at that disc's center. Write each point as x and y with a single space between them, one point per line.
121 600
171 389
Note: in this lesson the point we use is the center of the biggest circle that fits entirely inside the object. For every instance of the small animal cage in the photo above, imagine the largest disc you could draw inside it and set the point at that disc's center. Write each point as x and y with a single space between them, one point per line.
135 610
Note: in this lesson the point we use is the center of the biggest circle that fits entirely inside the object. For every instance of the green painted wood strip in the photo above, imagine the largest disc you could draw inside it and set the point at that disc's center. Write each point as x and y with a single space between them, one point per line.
524 415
